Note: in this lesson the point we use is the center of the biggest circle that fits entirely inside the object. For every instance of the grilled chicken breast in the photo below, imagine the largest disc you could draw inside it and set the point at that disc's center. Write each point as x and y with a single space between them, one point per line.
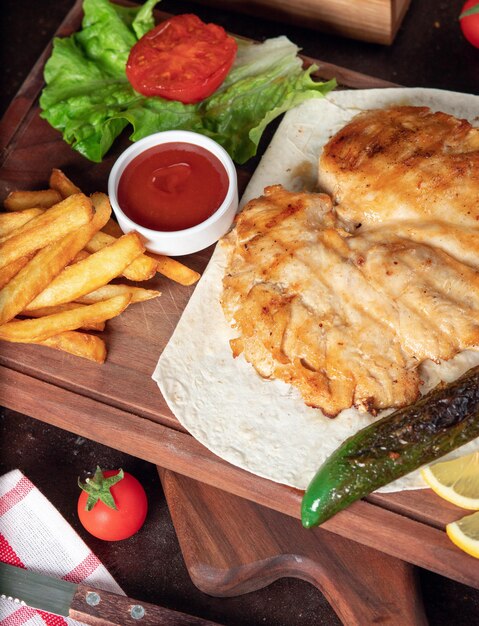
344 315
411 167
345 295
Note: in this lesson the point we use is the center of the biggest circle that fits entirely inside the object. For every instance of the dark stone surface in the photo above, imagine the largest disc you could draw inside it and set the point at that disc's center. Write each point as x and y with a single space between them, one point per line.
429 51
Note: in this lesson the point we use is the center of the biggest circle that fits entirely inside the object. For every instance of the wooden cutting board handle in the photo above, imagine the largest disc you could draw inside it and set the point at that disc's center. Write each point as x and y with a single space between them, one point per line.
233 546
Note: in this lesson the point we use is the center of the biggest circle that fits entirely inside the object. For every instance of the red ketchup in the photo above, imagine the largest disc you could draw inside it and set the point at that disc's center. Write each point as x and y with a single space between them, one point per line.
172 186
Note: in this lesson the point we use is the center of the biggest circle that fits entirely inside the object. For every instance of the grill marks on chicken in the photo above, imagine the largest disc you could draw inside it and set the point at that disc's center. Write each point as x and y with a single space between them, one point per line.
346 301
409 166
345 316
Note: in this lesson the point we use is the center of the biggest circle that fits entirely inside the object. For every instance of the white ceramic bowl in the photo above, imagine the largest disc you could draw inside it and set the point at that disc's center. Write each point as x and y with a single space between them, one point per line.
179 242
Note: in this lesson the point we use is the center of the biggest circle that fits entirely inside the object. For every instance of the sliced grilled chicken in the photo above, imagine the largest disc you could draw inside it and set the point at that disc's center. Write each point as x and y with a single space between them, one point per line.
346 317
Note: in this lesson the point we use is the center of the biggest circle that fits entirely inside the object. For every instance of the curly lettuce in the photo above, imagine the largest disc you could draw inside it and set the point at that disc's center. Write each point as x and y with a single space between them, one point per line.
88 98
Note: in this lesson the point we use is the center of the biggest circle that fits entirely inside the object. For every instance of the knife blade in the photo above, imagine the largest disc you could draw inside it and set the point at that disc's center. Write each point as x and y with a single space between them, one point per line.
84 603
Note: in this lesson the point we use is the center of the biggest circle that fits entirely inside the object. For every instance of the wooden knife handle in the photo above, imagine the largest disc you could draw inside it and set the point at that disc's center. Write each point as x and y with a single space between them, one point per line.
102 608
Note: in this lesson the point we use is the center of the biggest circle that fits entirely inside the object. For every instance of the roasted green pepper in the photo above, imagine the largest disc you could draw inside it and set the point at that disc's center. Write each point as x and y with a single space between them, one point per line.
439 422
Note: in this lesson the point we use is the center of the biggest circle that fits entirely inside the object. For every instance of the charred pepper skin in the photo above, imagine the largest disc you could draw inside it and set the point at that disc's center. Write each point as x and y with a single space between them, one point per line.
439 422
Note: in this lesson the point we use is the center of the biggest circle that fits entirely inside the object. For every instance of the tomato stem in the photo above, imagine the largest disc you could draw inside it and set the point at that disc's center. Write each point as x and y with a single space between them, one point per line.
472 11
98 488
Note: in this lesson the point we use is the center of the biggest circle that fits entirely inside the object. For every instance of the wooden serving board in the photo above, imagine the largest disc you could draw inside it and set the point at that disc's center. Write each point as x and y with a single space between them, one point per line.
119 405
362 585
233 546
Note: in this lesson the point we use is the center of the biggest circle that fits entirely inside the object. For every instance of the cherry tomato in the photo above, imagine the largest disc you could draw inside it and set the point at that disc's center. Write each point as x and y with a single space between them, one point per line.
470 24
181 59
116 488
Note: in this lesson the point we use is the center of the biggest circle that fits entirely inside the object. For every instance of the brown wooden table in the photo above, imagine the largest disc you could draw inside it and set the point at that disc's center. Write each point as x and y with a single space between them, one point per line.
134 418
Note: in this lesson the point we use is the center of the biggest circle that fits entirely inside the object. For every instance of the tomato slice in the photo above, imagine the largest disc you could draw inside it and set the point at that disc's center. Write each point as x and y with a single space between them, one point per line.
181 59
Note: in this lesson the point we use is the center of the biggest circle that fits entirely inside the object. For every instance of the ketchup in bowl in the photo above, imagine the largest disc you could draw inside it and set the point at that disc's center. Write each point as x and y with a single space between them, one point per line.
172 186
177 189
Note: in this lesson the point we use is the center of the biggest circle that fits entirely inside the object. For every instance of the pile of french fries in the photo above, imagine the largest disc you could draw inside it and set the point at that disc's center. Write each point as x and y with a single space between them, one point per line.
59 253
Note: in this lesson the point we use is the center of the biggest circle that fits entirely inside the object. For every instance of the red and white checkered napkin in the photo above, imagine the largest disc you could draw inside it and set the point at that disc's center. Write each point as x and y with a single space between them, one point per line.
35 536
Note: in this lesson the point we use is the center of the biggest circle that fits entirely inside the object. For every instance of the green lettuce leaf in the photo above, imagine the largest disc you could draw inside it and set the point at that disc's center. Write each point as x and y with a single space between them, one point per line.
88 98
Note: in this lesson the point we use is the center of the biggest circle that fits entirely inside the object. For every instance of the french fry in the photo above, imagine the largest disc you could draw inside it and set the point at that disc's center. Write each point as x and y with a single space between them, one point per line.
142 268
47 263
147 265
165 265
97 270
61 183
16 219
112 228
59 210
87 346
59 250
20 200
83 254
102 205
34 330
138 294
173 269
34 277
54 224
7 272
68 306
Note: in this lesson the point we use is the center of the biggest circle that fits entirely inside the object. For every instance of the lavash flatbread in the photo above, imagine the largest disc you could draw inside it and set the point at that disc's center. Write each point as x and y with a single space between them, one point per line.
260 425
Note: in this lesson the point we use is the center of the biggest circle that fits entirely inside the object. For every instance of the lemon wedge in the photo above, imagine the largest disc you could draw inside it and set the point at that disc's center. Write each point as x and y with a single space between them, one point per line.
465 534
456 481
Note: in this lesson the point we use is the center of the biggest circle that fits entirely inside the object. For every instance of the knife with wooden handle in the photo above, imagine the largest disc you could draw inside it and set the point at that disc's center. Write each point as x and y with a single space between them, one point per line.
84 603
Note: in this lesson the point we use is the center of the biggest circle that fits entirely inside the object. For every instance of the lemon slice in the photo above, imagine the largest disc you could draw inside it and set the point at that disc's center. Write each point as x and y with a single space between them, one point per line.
456 481
465 534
